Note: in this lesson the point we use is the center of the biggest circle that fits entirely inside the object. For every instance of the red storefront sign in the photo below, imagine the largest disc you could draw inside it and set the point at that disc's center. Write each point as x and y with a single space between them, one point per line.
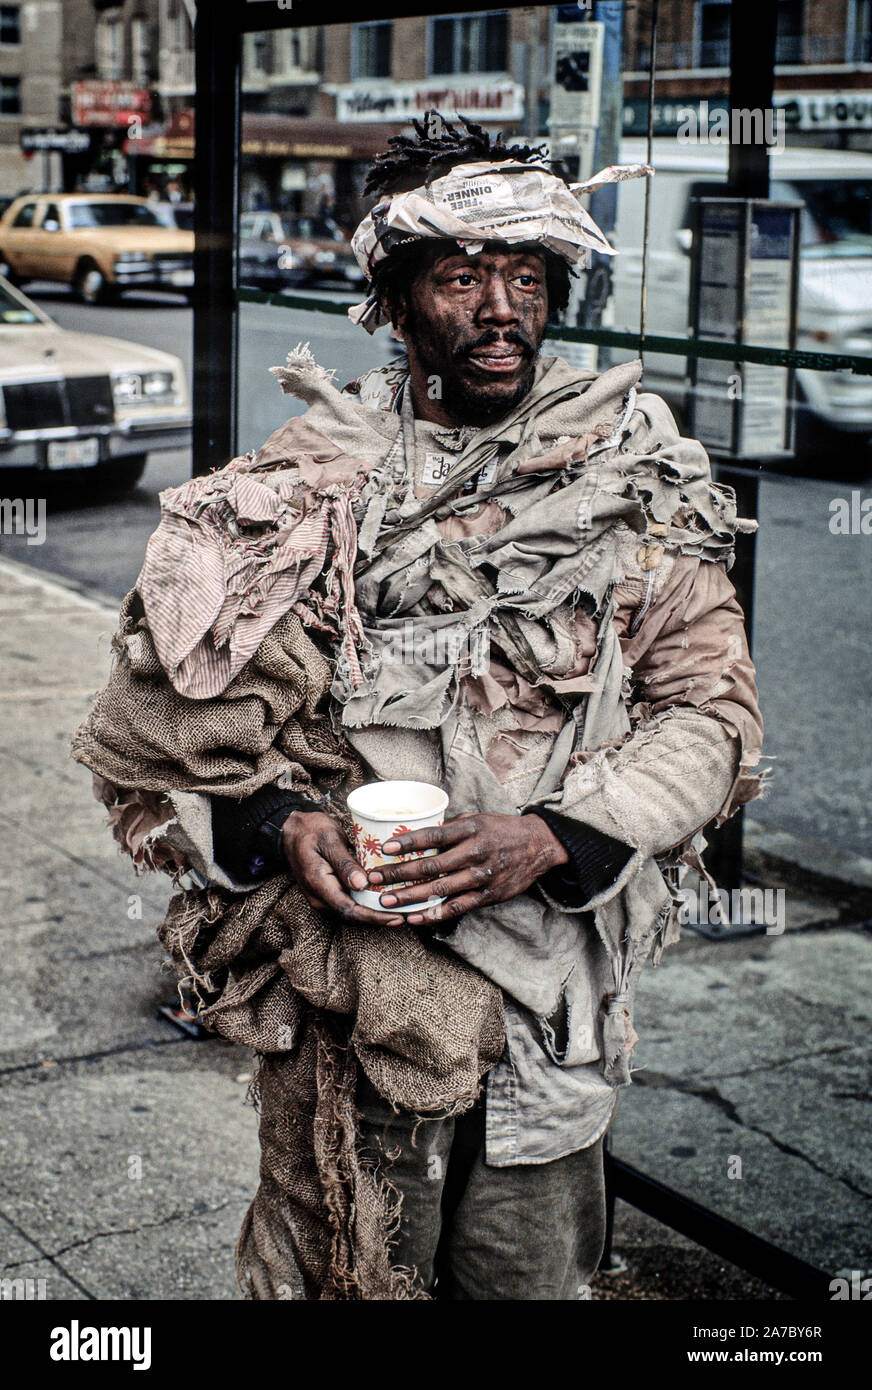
109 103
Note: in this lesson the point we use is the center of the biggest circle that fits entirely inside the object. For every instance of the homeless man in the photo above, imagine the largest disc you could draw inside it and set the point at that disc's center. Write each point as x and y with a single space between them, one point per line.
479 568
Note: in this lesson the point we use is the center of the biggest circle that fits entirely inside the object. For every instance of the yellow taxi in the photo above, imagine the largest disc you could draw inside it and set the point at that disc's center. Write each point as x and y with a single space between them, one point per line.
100 243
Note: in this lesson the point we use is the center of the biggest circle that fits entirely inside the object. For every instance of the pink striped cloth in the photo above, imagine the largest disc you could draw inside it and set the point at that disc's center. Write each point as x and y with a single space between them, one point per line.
235 551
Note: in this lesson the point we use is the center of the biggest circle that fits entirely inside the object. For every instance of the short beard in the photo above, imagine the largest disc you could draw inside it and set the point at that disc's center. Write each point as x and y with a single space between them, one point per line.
463 402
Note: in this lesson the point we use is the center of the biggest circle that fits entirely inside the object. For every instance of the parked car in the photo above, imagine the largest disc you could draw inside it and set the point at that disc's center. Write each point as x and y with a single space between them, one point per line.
311 248
179 215
835 290
81 401
100 244
261 266
260 260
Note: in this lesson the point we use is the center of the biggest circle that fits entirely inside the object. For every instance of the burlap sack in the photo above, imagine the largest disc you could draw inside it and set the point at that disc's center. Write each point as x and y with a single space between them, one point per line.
314 997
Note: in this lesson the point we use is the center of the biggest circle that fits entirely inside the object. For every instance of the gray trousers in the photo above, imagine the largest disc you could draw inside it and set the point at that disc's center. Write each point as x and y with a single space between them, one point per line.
529 1232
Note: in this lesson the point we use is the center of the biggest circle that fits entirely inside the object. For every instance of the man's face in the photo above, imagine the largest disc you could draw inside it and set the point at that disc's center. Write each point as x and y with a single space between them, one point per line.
475 324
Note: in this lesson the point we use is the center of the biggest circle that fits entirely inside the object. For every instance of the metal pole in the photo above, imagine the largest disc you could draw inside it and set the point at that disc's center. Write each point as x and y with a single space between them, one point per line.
752 78
750 1252
216 165
649 155
604 201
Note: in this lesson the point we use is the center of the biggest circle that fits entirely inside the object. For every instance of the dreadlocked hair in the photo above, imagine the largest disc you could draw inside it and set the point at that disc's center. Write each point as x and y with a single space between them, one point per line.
437 147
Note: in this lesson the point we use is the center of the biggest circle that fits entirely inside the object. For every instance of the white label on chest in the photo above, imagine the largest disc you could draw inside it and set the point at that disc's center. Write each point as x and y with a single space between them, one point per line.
436 469
438 466
486 476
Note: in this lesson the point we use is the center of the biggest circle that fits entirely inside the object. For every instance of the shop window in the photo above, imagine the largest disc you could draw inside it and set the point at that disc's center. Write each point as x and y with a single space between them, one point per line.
371 49
858 38
10 96
10 24
140 50
292 51
788 35
713 34
256 57
110 54
469 43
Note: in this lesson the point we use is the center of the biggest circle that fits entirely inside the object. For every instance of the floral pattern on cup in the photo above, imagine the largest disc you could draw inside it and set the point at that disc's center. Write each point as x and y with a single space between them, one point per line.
369 849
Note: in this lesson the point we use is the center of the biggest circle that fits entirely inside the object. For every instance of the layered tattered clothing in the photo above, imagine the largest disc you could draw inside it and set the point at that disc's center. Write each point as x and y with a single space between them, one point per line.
575 645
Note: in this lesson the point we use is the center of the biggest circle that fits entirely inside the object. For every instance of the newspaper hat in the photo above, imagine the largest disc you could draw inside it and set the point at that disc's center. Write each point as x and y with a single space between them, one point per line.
474 203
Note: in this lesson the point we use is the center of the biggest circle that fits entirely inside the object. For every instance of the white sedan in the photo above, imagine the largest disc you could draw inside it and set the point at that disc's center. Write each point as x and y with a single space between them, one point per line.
81 401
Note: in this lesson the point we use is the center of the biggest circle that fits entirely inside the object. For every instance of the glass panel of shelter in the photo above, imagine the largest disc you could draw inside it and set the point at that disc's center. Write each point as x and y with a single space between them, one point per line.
746 1096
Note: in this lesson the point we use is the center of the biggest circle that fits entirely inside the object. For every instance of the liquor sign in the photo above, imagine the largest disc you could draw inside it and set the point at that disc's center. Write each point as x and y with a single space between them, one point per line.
110 103
400 101
44 139
826 110
672 114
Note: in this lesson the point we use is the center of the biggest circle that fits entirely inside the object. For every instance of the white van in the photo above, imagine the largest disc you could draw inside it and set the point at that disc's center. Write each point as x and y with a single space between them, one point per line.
835 304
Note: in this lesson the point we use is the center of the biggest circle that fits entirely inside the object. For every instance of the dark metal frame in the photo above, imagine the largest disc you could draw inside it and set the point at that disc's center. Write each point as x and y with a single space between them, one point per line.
217 103
758 1257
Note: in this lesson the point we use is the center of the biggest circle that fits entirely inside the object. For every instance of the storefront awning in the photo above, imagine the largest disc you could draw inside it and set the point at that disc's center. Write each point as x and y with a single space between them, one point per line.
283 137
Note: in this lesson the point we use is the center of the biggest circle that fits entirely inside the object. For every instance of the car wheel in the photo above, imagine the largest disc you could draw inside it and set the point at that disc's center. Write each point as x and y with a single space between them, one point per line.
8 273
91 284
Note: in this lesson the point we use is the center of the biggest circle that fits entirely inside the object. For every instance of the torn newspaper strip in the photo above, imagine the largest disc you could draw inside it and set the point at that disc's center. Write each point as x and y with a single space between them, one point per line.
476 203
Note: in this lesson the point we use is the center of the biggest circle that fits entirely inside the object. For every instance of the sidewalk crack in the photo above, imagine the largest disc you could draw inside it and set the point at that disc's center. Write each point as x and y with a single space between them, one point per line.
70 1278
783 1062
148 1225
712 1096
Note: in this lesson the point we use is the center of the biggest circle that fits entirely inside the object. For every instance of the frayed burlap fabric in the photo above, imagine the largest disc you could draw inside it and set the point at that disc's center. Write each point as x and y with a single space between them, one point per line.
316 999
270 721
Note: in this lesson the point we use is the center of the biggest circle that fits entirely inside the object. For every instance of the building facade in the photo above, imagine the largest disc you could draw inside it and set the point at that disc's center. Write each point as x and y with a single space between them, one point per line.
823 73
128 82
30 76
320 101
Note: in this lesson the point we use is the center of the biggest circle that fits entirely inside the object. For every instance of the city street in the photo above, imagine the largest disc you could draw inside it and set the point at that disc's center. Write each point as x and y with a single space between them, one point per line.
690 182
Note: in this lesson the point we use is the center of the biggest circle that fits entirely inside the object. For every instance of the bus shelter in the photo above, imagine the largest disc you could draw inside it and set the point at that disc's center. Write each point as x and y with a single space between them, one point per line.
746 1125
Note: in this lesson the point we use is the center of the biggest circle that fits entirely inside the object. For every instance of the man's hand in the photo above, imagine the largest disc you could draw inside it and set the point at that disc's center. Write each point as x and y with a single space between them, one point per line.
481 859
326 869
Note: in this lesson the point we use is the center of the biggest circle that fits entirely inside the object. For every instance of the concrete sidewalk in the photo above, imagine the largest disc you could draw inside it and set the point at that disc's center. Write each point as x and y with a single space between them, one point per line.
128 1154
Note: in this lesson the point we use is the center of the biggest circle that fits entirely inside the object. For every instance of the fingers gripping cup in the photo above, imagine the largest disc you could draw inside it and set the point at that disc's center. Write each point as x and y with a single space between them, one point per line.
380 812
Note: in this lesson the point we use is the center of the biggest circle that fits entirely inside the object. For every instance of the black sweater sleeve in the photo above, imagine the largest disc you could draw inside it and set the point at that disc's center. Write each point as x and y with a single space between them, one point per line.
247 834
595 860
